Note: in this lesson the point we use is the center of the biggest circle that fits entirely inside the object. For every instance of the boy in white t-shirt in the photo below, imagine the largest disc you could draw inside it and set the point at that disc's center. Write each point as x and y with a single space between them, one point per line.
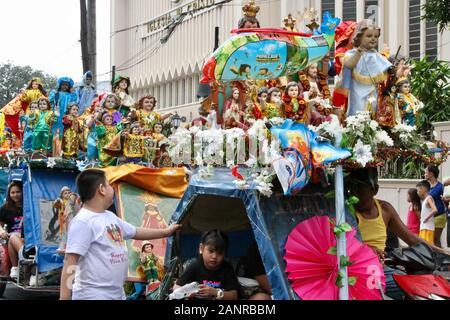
427 213
96 260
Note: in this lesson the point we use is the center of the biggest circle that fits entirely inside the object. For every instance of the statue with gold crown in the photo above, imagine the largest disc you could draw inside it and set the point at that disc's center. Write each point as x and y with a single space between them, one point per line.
408 104
249 20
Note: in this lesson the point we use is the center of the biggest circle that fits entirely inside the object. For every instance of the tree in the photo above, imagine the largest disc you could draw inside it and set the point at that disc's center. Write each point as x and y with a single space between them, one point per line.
430 82
15 78
437 11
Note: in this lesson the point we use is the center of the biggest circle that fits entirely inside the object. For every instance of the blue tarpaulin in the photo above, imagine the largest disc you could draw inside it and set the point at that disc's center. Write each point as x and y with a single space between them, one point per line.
40 189
4 173
271 221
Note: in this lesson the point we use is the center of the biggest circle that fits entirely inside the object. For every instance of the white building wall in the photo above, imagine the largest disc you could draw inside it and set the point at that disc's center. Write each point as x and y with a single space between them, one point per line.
152 66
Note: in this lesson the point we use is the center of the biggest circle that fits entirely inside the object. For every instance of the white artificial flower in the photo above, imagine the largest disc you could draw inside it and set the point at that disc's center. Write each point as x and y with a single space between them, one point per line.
194 129
332 129
51 162
363 153
251 162
265 189
277 121
199 159
382 137
81 165
206 172
230 163
241 184
373 125
403 128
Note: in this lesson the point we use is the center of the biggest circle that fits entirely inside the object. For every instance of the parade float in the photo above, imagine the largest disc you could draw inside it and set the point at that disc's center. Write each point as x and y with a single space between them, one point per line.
265 161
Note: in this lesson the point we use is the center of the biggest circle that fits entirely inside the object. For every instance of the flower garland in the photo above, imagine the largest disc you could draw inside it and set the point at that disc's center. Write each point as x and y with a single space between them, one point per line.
297 109
322 84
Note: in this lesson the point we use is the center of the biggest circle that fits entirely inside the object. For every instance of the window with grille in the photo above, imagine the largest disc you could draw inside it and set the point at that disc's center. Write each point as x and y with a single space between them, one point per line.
329 5
371 10
349 10
414 29
431 41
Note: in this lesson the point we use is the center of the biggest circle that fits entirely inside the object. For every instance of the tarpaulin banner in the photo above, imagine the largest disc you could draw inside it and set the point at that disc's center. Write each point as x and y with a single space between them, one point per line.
3 184
148 210
41 224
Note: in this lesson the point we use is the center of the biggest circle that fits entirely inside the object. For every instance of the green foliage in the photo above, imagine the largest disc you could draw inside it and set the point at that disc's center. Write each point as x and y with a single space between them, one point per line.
430 82
341 229
350 202
332 251
13 78
437 11
345 261
340 279
352 281
330 195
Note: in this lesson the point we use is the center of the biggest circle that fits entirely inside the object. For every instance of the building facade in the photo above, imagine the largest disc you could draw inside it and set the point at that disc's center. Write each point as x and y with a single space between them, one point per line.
171 71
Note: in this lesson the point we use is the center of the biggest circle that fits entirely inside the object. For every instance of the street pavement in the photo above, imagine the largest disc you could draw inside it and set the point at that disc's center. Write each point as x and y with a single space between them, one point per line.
14 293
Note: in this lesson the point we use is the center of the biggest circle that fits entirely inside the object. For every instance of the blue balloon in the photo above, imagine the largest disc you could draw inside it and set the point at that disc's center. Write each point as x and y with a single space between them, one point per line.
301 152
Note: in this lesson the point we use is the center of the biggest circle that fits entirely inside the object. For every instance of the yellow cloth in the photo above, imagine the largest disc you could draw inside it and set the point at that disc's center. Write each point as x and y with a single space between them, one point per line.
2 124
72 137
440 221
373 231
166 181
148 119
31 95
13 107
134 146
427 235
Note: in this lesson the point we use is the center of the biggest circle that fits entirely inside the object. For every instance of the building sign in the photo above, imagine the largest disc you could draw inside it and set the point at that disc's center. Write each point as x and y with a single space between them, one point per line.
162 21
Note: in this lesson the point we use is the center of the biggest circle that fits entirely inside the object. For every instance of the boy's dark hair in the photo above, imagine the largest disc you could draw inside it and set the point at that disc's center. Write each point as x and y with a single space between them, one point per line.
434 170
216 239
88 182
425 184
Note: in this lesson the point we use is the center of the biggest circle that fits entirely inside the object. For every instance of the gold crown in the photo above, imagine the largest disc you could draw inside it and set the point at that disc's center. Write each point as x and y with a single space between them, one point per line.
290 22
310 16
401 79
250 9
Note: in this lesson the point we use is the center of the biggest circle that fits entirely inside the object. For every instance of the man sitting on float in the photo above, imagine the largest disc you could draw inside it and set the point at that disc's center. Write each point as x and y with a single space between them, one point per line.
375 217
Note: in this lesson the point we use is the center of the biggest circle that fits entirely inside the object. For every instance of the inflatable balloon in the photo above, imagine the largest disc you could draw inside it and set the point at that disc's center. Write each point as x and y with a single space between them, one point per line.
263 54
301 152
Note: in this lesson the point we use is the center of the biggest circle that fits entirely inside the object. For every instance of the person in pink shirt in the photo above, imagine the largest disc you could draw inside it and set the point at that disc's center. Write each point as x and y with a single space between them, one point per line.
414 209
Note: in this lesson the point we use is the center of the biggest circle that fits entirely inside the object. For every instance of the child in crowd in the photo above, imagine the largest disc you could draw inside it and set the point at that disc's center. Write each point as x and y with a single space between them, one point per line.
427 213
96 252
216 277
414 210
